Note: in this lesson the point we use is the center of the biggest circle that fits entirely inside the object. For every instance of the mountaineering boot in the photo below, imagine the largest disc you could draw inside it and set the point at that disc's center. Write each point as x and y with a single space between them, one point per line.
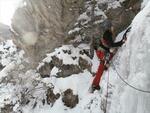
93 88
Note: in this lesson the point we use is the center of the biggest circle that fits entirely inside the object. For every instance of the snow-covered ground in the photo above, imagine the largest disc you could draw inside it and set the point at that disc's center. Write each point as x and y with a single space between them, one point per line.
32 85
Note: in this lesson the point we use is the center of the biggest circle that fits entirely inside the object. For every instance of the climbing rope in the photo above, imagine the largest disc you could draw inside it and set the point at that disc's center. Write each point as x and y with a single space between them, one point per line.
119 75
107 93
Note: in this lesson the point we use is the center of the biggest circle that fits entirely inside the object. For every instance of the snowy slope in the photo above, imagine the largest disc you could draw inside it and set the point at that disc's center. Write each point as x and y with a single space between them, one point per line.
134 68
34 87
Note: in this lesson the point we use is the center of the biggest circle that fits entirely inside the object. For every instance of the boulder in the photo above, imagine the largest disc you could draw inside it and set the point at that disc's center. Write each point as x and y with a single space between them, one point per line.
69 99
51 97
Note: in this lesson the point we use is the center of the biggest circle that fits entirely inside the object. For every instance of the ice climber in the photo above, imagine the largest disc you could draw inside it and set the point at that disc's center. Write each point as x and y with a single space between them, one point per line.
105 51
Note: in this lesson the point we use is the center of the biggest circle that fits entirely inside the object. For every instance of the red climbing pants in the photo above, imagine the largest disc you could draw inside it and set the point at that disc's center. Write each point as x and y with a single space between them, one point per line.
101 68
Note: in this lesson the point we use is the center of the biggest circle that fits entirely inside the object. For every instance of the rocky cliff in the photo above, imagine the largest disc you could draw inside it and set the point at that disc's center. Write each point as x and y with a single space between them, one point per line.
40 26
5 32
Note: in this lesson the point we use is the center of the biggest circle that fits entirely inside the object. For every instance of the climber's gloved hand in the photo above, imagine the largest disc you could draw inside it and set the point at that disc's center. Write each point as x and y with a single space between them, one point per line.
112 50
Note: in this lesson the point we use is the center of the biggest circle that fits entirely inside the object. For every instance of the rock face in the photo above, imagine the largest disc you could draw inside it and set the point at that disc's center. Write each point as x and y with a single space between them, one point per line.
5 32
1 66
51 97
65 70
69 99
122 16
7 109
41 25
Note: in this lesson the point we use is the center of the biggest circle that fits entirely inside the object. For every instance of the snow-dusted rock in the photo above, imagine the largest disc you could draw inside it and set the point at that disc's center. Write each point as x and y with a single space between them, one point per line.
40 26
